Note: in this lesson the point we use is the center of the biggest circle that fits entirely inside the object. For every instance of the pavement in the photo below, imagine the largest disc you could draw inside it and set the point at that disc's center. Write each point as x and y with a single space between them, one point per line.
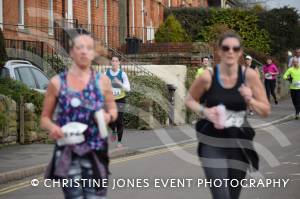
21 161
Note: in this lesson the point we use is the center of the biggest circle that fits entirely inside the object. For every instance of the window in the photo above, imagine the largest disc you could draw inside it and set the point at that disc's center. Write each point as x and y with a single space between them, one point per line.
41 79
4 73
26 77
89 8
51 17
21 14
70 9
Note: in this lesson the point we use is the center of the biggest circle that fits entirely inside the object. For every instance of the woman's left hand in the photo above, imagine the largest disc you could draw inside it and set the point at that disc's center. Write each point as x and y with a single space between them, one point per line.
246 92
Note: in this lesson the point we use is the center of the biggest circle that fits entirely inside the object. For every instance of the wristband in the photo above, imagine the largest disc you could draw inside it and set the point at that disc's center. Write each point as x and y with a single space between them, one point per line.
201 110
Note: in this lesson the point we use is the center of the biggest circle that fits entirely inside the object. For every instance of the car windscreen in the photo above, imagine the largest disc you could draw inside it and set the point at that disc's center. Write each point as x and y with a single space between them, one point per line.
26 76
41 79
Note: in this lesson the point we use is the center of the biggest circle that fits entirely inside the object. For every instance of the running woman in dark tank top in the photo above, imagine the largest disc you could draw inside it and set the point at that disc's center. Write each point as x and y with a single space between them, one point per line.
225 137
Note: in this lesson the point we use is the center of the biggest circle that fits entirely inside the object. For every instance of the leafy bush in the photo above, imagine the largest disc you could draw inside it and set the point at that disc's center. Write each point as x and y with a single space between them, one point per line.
146 91
260 56
212 33
191 19
190 77
171 31
15 89
56 62
201 23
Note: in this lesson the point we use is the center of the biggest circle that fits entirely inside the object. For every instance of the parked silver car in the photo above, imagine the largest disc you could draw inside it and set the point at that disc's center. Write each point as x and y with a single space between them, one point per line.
27 73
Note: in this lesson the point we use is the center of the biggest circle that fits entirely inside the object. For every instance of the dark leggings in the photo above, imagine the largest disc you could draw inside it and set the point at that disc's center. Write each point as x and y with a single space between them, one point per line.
295 94
224 168
270 85
118 125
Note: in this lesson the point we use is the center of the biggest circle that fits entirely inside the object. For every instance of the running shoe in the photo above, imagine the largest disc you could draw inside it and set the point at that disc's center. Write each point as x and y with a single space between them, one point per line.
119 145
113 136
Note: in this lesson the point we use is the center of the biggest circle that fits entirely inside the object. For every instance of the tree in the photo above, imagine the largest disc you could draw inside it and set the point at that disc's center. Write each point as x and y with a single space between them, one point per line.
171 31
283 26
3 55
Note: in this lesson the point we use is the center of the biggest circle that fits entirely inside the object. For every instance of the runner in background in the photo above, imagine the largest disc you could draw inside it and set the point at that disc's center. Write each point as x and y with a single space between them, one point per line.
204 65
293 75
296 55
225 137
270 72
79 93
248 63
121 85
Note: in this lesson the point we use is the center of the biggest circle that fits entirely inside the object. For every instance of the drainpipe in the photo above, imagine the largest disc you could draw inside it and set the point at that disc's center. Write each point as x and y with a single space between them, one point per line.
105 23
63 10
128 20
132 6
143 22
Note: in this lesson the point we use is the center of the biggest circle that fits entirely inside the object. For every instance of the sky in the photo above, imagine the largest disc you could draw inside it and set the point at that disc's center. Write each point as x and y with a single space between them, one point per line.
281 3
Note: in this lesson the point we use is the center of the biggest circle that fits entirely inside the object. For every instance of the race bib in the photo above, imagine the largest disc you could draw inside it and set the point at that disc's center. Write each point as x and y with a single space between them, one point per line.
116 91
296 84
234 119
268 76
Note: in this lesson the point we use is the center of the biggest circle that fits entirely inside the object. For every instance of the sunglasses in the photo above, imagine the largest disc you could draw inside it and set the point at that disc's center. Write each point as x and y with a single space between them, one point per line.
234 48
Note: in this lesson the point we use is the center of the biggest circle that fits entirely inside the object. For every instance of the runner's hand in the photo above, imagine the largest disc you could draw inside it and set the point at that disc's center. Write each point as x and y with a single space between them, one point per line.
56 132
246 93
212 114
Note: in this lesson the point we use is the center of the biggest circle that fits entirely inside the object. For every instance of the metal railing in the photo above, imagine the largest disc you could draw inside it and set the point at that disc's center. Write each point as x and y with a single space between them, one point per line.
131 70
39 41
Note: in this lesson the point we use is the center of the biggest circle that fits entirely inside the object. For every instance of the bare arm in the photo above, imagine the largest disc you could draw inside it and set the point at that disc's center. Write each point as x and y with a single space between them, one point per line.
110 103
49 107
197 89
258 100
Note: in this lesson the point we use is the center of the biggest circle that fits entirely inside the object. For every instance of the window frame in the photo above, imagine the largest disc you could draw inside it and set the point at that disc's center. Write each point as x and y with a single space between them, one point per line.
21 14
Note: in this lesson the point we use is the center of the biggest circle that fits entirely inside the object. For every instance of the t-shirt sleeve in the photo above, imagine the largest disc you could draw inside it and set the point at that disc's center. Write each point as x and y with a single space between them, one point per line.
126 84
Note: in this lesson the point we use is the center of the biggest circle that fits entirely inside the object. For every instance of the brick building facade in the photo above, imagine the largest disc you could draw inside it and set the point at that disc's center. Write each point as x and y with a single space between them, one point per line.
109 21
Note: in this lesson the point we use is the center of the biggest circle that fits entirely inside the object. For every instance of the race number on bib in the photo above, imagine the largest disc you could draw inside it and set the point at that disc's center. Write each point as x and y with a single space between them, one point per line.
268 76
297 84
234 119
116 91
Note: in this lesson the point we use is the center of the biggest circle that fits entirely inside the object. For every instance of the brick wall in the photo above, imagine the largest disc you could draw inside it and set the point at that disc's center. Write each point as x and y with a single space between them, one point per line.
37 21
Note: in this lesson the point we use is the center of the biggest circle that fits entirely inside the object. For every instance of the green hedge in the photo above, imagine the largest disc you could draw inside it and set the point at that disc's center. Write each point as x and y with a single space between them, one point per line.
56 62
190 77
15 89
146 91
199 24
